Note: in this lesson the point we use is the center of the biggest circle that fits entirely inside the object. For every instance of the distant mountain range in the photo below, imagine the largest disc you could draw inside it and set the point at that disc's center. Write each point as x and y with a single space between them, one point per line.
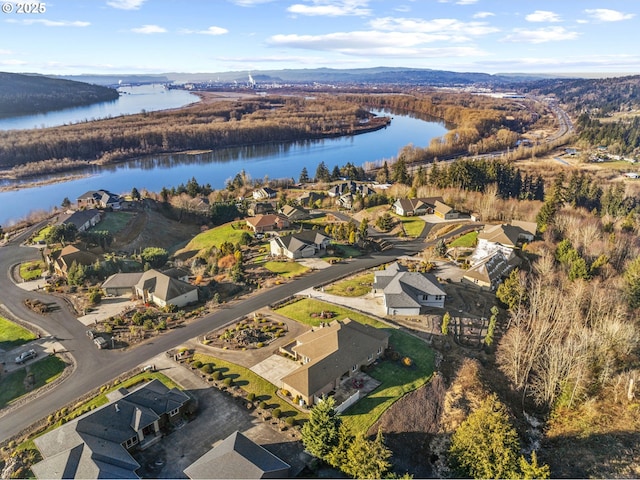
378 75
27 94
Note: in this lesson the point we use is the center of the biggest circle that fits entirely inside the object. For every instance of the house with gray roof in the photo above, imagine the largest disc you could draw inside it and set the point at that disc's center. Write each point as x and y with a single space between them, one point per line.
331 353
99 198
405 293
98 444
489 271
237 457
82 219
152 286
412 207
305 244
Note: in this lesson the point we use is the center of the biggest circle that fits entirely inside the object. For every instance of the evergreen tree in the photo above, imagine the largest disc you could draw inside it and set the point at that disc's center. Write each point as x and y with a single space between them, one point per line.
486 445
135 194
304 175
632 282
338 455
322 173
383 174
76 274
66 203
363 229
367 458
512 292
399 172
531 470
321 433
335 174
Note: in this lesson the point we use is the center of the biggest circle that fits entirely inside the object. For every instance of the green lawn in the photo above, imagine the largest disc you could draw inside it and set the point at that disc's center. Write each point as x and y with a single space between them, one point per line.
302 311
349 251
412 225
13 335
397 380
229 232
251 383
113 222
44 370
41 234
467 240
286 269
31 270
352 287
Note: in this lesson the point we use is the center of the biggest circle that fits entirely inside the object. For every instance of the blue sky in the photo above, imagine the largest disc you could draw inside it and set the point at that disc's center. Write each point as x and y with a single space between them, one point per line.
156 36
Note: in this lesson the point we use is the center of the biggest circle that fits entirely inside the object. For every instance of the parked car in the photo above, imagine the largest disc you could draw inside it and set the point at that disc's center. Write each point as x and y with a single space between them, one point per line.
100 342
91 334
28 355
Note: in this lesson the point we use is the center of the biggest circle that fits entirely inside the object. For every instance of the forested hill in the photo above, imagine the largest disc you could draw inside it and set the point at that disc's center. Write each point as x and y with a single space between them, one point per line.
26 94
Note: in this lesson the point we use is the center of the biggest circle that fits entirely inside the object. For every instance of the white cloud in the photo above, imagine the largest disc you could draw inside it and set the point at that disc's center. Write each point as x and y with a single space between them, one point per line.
378 43
49 23
466 2
402 8
6 52
543 16
606 15
331 8
12 62
213 30
149 29
445 26
484 15
541 35
307 60
126 4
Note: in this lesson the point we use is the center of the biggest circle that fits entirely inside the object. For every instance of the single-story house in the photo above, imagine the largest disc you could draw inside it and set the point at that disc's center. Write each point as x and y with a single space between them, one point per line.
293 213
82 219
331 353
152 286
70 254
266 223
99 198
342 189
444 211
413 207
307 243
237 457
406 292
98 444
264 193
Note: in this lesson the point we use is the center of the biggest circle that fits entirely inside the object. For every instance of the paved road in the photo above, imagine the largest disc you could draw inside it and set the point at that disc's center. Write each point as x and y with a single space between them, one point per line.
96 367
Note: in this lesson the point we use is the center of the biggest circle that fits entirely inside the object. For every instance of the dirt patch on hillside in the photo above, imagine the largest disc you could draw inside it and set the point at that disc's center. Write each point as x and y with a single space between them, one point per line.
149 228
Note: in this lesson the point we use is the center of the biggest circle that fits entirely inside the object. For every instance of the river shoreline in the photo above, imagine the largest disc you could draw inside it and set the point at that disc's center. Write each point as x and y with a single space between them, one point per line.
376 123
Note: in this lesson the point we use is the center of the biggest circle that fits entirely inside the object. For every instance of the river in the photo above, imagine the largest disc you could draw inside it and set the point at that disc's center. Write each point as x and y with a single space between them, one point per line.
273 160
132 100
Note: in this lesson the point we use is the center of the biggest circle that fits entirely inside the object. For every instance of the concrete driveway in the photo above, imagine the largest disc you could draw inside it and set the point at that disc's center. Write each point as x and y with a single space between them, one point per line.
108 307
275 368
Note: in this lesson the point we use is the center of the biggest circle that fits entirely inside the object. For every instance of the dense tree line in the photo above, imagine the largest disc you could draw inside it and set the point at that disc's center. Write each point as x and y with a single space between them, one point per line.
206 126
622 137
25 94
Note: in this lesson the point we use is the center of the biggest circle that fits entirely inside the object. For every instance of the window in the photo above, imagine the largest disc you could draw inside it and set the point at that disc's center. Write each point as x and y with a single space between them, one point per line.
174 412
439 297
370 357
379 350
354 368
131 442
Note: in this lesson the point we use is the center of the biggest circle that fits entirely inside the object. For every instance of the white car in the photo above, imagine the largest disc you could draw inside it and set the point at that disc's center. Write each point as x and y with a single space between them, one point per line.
24 356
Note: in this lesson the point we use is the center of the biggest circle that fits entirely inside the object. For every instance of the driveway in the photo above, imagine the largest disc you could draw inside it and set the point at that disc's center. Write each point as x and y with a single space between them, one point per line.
218 416
275 368
366 303
107 308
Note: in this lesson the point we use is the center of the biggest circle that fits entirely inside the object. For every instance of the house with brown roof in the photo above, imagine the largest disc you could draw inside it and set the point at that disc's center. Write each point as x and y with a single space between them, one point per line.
444 211
267 223
503 237
70 254
294 214
331 353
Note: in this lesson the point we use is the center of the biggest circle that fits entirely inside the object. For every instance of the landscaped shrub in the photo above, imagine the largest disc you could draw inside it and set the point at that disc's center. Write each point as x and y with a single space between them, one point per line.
228 381
276 413
290 421
259 345
251 396
207 369
263 405
217 375
407 362
285 392
197 364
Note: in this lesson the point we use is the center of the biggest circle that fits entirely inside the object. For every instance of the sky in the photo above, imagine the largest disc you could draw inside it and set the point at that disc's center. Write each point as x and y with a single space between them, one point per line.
158 36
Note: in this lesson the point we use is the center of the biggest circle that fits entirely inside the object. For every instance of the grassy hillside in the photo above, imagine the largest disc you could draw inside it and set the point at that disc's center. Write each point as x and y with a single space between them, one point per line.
26 94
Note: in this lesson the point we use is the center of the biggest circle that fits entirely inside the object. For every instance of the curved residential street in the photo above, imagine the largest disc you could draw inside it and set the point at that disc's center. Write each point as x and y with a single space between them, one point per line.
94 367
